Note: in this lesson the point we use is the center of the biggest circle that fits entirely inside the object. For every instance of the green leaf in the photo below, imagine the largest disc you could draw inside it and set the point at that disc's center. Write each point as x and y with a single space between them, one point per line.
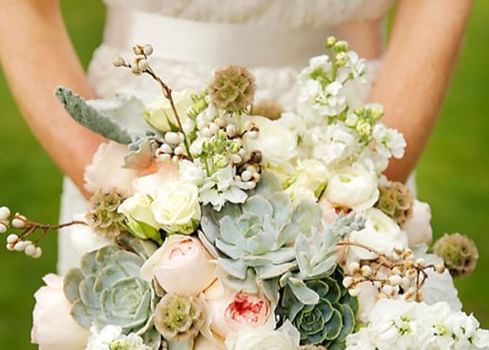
303 293
91 118
348 321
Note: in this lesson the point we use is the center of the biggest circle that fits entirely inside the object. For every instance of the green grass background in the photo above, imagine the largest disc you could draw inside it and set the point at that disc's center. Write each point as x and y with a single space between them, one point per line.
453 175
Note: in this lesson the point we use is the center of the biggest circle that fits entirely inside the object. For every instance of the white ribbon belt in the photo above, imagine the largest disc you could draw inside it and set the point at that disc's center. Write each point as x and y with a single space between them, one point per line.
213 43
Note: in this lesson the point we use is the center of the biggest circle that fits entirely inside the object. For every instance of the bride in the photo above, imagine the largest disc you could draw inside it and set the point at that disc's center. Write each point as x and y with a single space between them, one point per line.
191 37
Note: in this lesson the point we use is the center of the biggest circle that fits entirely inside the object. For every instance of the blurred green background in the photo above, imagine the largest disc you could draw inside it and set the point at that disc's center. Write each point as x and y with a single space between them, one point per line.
452 176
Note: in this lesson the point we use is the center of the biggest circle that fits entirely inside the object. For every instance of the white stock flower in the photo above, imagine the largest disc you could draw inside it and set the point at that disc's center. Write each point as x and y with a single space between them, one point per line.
354 187
111 337
388 142
276 142
53 327
222 187
380 233
159 114
401 325
317 101
181 266
333 143
176 207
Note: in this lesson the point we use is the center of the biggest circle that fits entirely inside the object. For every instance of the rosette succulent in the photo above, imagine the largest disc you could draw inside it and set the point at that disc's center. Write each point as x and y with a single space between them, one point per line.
107 290
316 257
396 201
233 89
103 216
255 241
326 323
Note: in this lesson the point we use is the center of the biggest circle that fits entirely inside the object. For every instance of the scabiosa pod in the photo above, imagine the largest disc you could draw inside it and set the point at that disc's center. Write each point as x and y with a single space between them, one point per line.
233 89
103 216
179 318
459 253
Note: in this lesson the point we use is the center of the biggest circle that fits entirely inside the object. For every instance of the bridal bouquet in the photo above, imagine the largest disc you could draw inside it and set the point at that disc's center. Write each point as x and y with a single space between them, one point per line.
218 223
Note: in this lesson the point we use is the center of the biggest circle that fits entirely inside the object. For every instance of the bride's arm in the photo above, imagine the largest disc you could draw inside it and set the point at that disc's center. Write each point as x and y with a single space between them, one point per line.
418 65
37 55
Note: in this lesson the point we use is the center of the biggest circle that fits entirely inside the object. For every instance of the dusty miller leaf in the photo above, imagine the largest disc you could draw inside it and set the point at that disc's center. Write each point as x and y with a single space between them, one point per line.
91 118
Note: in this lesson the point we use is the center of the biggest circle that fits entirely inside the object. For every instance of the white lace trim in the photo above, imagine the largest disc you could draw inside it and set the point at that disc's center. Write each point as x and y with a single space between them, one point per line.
291 13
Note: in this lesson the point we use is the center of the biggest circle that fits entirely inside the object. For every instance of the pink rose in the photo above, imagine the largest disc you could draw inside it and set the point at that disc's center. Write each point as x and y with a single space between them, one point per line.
236 311
54 328
182 266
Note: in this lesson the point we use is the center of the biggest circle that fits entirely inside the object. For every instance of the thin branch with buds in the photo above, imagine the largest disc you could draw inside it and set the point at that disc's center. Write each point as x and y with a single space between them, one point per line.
141 66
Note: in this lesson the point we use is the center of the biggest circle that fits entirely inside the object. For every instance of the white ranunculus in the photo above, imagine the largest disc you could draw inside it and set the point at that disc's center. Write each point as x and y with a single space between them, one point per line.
176 207
285 338
276 142
439 286
159 114
107 171
181 265
84 239
367 298
418 226
380 233
54 328
354 187
308 181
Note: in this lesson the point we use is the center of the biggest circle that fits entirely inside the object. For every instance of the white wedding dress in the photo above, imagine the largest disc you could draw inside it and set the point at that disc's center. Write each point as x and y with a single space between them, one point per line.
274 38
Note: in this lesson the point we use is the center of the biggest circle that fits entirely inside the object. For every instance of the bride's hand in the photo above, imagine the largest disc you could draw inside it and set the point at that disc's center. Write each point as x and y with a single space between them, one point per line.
417 68
37 55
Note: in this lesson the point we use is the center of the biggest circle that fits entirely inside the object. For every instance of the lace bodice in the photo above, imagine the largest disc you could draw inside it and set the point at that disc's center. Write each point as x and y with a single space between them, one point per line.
291 13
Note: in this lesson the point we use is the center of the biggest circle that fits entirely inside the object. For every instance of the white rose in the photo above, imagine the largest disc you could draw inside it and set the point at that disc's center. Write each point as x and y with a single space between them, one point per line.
159 114
380 233
176 207
181 265
109 159
418 226
275 141
54 328
139 217
310 178
354 187
285 338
